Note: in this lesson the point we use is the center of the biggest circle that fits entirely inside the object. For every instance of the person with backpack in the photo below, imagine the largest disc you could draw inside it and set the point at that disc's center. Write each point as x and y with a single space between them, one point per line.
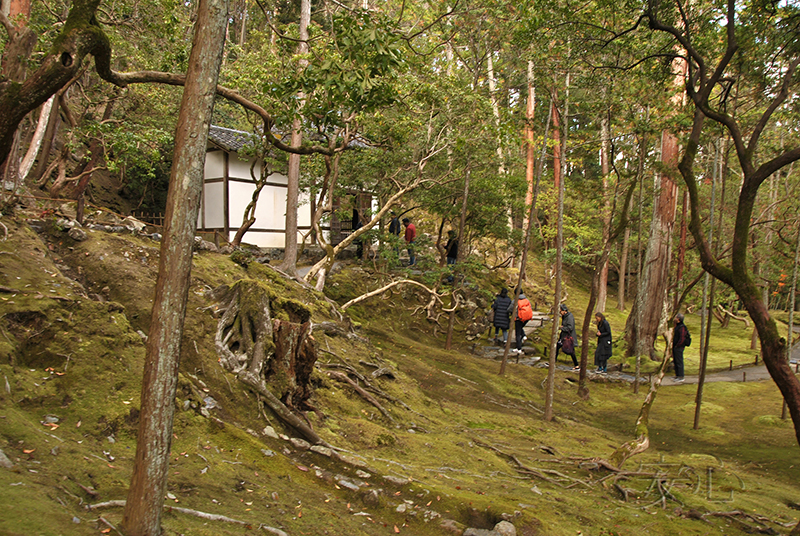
603 351
567 336
501 318
680 340
524 314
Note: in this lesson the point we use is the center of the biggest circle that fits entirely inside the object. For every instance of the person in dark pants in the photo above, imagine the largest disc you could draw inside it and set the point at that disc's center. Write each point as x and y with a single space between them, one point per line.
524 313
451 249
410 237
501 319
394 225
680 340
567 330
357 224
603 351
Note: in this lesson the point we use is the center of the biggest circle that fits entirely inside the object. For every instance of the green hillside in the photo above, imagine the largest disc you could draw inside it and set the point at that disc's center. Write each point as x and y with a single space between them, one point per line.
447 443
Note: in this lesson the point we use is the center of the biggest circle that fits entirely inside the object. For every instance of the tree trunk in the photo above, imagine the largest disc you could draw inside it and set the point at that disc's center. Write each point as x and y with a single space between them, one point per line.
643 322
708 300
551 371
461 225
142 515
642 440
605 154
289 264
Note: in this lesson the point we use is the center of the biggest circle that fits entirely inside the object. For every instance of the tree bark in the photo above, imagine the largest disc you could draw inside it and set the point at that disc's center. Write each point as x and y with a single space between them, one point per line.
657 258
605 155
289 264
142 516
551 371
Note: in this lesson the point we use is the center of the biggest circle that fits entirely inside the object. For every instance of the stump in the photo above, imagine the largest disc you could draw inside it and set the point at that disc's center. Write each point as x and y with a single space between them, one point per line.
271 355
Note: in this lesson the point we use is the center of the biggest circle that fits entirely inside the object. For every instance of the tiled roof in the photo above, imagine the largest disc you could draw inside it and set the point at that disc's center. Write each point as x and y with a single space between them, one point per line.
229 139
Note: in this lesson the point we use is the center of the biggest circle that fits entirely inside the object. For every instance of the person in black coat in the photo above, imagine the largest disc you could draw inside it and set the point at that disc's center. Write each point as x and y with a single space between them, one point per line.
567 330
680 340
603 351
501 319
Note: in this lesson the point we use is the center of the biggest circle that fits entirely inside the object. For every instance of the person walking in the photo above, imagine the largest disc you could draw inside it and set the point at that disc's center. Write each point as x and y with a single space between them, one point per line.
451 248
410 237
680 340
568 336
394 224
524 314
603 351
501 318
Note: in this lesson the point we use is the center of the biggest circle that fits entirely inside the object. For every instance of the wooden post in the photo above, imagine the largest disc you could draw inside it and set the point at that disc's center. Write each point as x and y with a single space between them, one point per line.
744 376
756 359
731 365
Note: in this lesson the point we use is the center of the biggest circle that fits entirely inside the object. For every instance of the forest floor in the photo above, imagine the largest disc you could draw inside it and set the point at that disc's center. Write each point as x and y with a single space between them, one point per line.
458 445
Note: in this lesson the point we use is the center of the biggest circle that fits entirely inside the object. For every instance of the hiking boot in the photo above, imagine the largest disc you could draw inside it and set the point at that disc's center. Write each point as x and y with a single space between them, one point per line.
678 380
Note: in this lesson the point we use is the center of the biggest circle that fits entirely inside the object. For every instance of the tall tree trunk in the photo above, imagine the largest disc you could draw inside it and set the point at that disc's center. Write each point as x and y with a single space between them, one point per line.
681 251
708 298
530 148
461 224
605 155
289 264
643 323
142 515
551 371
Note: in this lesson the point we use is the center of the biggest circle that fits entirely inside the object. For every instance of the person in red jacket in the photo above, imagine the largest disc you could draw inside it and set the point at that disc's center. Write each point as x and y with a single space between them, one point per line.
410 236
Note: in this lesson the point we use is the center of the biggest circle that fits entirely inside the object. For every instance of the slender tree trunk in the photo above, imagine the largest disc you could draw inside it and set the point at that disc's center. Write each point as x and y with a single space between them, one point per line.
708 300
142 515
639 265
790 335
681 252
605 154
289 264
530 148
551 371
528 231
462 223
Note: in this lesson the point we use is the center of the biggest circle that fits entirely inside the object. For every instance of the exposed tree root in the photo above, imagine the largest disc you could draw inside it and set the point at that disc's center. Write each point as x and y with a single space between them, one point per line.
262 351
358 389
187 511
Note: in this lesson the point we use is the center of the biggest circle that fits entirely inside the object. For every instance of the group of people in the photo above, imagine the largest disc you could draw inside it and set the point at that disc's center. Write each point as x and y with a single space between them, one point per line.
568 338
410 237
503 308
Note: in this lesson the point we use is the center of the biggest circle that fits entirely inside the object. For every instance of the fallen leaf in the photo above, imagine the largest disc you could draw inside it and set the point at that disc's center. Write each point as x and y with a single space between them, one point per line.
396 529
78 424
28 451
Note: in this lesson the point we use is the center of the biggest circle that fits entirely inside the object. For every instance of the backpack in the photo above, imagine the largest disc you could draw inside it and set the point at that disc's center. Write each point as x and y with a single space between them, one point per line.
524 310
688 337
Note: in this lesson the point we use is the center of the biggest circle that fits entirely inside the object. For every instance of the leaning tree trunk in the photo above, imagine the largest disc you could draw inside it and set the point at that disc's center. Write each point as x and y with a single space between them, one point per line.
142 516
642 441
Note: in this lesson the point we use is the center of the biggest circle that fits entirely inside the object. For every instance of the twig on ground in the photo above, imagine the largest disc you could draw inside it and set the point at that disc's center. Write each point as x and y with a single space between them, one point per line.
358 389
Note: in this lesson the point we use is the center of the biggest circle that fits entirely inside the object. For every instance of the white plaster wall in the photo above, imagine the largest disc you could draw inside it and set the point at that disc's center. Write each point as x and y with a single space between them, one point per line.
213 207
215 165
238 168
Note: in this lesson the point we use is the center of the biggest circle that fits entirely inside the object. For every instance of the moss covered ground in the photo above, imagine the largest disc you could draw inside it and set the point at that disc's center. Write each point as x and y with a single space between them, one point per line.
465 446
